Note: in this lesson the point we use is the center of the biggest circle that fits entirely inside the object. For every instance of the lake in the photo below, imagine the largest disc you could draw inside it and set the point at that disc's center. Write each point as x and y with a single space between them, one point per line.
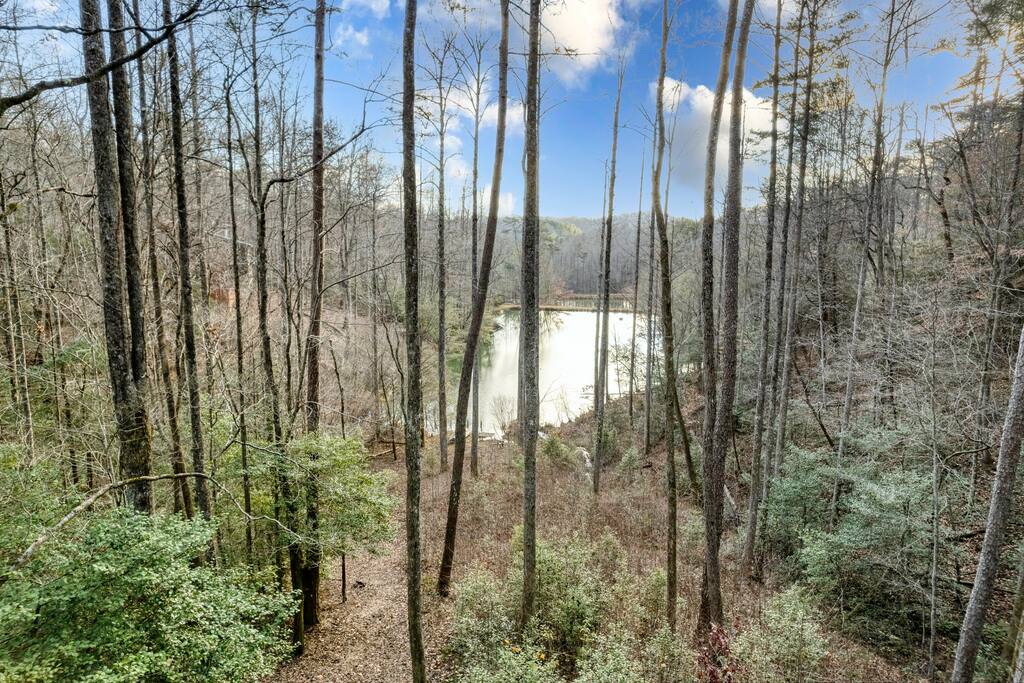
566 365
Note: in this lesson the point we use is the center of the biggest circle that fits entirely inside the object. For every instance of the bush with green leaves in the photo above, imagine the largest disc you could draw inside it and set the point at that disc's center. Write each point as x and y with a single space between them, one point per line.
555 451
665 658
355 506
121 597
514 664
610 660
571 600
594 620
787 644
873 561
570 605
483 622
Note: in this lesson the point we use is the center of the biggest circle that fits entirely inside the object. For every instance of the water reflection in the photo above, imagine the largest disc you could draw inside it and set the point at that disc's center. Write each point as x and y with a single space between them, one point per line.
566 365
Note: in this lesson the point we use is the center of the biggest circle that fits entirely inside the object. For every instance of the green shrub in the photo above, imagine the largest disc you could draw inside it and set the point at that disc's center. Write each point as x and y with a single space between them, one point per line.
786 645
665 658
514 664
629 463
121 599
609 660
556 452
483 620
640 602
571 599
570 605
355 506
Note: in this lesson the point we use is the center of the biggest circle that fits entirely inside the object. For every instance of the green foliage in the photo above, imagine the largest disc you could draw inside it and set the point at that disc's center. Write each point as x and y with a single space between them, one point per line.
798 500
595 621
556 452
483 622
122 599
629 463
571 600
786 645
355 506
570 605
514 664
665 659
873 561
610 660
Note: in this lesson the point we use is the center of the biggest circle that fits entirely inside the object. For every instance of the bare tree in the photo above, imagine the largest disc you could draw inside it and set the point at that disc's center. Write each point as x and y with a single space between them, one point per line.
999 511
129 406
530 315
602 376
476 320
413 402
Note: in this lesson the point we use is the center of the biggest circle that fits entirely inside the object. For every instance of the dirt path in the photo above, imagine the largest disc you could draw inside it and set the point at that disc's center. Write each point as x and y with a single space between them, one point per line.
365 639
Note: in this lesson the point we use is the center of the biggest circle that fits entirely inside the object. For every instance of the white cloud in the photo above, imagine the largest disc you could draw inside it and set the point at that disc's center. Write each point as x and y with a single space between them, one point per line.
513 116
456 168
353 42
582 32
378 8
688 120
578 35
506 201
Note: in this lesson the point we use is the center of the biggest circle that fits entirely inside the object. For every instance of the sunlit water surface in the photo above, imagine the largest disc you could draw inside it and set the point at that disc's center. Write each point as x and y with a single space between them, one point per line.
566 365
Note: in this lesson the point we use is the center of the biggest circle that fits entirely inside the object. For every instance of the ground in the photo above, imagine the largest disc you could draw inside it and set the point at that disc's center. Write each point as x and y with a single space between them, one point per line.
364 639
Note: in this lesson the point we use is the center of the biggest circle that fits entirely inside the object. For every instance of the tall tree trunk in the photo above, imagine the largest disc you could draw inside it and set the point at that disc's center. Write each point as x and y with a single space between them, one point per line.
709 336
285 495
135 461
181 484
999 511
781 289
474 444
123 138
185 272
599 440
476 321
129 407
530 315
236 281
714 465
413 398
311 565
794 287
750 537
636 294
667 331
442 295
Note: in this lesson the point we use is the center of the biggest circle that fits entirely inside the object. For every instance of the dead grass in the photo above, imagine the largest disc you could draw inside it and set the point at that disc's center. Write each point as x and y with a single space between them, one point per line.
364 640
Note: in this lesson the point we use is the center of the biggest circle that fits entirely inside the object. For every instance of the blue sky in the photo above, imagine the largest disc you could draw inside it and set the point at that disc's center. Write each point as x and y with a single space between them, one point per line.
365 37
579 93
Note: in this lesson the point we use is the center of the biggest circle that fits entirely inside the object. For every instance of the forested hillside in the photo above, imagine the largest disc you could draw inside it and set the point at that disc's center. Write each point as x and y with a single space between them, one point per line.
606 341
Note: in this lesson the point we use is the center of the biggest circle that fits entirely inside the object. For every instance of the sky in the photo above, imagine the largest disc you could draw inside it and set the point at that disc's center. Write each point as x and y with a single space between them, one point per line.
579 92
365 44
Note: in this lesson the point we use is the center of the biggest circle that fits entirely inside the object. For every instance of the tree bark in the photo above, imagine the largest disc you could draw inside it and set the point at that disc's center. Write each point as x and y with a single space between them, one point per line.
750 537
129 408
530 316
243 427
714 465
601 390
177 457
667 332
476 321
311 564
999 511
413 400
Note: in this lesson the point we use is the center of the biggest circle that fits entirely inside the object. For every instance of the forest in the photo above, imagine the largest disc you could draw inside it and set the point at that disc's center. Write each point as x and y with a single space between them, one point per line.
310 372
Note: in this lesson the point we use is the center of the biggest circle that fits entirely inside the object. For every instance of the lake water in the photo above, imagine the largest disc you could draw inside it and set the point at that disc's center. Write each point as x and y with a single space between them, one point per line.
566 365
